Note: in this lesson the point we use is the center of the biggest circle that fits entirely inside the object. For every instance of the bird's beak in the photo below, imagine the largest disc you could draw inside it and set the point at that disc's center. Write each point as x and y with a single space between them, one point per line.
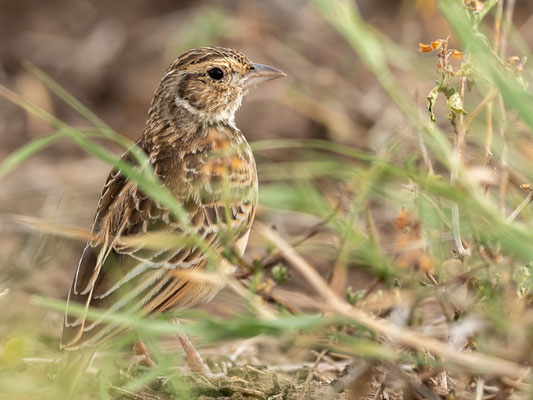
260 73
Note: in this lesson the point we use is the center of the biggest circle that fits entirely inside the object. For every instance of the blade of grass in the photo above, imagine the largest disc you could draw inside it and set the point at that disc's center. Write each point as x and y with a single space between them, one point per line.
69 99
84 111
36 145
22 154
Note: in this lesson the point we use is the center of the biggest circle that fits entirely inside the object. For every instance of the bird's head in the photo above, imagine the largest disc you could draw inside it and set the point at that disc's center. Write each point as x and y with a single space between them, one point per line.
210 82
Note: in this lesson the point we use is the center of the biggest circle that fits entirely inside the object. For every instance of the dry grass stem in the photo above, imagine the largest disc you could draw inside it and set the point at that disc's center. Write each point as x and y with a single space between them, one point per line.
480 385
485 103
458 148
520 207
311 373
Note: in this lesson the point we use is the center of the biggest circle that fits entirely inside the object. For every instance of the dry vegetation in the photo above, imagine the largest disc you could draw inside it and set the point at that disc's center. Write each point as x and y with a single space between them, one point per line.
393 253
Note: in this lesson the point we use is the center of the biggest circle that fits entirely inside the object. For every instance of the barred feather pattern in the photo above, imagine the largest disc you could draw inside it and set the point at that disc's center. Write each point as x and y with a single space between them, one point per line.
214 178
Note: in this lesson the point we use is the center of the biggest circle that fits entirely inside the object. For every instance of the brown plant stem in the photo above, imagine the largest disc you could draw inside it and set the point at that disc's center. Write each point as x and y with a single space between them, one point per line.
458 147
480 384
497 27
311 373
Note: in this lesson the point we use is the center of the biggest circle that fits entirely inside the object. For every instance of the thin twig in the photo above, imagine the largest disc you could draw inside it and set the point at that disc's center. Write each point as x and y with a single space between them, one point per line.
371 226
311 373
272 297
419 389
517 384
520 207
274 258
327 359
425 155
480 384
370 289
508 20
423 149
458 147
497 27
504 180
476 362
50 227
490 128
486 102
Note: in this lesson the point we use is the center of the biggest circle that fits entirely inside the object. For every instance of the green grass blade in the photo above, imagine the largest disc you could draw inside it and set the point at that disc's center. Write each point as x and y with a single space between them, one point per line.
22 154
68 98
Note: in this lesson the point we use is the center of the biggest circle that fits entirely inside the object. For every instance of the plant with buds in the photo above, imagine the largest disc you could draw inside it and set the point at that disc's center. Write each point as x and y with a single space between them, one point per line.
446 74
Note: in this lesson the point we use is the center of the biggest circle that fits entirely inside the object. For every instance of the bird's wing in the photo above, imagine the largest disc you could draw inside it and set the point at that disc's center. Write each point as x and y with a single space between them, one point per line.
131 263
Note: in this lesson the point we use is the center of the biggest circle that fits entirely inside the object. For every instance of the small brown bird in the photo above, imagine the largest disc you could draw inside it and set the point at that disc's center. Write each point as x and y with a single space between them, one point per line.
198 153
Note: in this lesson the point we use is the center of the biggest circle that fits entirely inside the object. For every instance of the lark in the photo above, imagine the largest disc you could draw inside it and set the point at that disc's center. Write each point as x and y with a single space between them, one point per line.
195 149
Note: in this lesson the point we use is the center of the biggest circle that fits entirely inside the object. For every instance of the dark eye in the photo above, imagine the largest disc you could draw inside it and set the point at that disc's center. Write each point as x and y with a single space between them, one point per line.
216 74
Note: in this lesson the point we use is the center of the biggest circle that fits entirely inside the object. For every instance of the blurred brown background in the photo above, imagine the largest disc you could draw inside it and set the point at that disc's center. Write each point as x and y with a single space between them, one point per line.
110 55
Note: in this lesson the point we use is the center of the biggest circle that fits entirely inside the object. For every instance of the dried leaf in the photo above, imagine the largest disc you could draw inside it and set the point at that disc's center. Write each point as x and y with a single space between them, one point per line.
455 103
432 99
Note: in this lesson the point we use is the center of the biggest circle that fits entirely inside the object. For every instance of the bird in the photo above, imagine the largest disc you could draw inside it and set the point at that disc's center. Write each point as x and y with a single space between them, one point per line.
191 142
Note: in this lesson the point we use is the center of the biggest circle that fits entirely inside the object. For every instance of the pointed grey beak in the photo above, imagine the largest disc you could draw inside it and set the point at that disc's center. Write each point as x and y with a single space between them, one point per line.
261 73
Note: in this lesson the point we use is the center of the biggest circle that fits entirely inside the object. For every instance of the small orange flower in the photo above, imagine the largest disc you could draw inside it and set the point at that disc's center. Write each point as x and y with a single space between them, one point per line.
403 219
436 44
424 48
513 60
411 251
457 55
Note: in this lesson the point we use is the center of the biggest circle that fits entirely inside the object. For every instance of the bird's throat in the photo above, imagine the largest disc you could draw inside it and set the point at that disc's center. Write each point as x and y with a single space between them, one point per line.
207 118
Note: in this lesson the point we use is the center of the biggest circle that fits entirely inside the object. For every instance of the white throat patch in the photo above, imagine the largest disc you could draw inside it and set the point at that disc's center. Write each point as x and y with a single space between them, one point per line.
227 115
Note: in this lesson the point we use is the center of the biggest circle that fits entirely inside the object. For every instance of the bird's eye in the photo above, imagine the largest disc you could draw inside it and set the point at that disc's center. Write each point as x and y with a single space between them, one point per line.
216 74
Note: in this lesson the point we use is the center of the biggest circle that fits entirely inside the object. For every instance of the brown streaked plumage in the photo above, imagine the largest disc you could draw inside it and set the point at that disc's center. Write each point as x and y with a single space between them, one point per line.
199 154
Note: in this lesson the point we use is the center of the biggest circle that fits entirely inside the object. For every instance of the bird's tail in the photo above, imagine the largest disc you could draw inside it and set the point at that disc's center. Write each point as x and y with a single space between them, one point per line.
70 371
